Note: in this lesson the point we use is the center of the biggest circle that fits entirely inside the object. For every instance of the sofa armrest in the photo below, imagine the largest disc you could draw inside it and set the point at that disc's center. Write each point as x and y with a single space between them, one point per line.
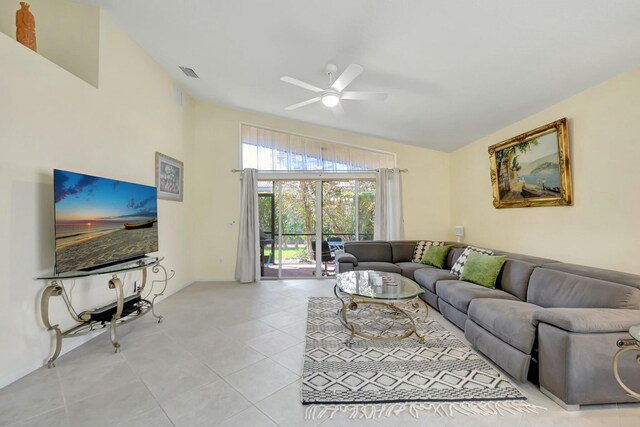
588 320
344 257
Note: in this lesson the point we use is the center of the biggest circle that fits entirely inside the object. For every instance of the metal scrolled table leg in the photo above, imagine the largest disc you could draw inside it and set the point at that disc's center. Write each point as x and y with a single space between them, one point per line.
352 304
416 304
52 290
116 284
342 312
156 269
626 345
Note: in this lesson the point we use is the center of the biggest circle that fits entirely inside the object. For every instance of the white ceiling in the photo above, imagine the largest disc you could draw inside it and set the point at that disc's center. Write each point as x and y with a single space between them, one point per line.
454 70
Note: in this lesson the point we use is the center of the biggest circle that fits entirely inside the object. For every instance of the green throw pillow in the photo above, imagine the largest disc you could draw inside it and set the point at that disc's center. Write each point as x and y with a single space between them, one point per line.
436 256
482 269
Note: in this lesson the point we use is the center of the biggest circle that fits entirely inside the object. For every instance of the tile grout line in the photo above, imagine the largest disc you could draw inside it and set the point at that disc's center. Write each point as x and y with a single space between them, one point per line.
174 343
64 399
64 403
298 378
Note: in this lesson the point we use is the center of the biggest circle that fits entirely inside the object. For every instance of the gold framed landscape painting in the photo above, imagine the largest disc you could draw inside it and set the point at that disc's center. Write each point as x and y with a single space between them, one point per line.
532 169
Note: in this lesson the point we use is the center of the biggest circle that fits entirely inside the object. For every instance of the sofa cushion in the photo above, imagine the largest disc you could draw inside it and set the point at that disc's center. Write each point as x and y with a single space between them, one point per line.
436 256
526 258
514 277
597 273
482 269
589 320
453 256
458 266
460 294
369 250
552 288
511 321
378 266
421 248
513 361
402 250
427 277
342 256
409 268
452 314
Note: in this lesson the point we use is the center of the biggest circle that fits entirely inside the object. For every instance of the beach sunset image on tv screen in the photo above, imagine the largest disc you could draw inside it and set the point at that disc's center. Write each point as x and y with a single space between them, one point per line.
101 221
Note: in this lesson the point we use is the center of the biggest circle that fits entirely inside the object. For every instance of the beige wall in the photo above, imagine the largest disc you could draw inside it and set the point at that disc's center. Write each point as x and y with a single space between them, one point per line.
217 151
51 119
66 33
602 228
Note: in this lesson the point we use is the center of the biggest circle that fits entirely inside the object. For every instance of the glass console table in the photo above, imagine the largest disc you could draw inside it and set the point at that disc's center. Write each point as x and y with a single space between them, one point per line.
122 310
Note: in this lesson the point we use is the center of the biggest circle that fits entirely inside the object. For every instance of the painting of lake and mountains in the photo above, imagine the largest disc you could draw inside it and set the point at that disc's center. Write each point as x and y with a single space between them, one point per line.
529 169
101 221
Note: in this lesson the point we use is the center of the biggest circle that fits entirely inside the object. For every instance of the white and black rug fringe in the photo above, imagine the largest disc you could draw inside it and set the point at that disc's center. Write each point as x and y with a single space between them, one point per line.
447 409
372 379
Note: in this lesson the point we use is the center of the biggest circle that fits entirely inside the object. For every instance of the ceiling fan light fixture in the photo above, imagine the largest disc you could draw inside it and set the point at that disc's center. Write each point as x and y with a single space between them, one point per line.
334 93
330 99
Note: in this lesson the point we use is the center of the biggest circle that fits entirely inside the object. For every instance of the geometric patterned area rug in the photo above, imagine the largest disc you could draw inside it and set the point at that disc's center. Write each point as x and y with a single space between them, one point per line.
370 378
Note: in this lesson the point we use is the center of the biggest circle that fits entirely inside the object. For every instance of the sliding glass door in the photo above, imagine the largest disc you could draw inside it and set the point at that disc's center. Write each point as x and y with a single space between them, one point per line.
296 213
347 210
303 223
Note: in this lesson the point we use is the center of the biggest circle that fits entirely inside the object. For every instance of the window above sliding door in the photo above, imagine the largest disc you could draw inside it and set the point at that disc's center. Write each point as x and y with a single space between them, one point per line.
271 150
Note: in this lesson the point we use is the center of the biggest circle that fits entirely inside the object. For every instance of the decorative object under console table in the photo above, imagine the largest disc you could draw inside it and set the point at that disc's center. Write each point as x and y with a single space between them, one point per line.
122 310
627 345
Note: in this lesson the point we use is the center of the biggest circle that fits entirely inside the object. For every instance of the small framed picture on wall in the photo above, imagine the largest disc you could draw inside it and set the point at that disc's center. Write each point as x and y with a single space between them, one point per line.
169 177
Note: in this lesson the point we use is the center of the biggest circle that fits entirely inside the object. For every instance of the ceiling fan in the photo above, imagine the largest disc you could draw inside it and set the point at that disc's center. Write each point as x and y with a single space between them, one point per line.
334 93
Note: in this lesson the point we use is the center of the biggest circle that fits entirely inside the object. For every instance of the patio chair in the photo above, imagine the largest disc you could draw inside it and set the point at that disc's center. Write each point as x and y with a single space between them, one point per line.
335 242
327 255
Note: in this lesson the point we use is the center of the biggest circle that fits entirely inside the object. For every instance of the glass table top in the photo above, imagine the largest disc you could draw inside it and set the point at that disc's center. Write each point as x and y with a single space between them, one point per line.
378 285
118 268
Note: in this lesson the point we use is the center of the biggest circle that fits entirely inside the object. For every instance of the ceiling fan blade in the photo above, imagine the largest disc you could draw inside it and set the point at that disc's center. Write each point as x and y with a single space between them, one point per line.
300 83
365 96
337 111
347 77
303 103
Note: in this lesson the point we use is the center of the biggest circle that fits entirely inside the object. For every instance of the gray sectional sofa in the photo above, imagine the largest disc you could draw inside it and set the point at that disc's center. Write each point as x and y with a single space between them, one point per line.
553 323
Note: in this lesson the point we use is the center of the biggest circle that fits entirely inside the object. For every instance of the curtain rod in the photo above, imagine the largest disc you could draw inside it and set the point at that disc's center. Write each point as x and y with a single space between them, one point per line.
318 171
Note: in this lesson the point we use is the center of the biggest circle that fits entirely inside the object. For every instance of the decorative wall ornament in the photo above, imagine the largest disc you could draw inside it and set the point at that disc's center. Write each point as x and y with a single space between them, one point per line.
532 169
169 177
26 27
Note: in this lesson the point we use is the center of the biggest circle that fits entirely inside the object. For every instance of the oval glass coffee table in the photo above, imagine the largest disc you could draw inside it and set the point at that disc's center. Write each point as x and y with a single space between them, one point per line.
379 305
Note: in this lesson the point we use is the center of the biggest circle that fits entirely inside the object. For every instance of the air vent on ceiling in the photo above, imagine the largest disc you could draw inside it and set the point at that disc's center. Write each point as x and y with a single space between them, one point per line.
189 72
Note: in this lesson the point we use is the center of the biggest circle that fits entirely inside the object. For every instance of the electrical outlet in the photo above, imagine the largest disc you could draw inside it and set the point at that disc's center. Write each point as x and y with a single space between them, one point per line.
136 285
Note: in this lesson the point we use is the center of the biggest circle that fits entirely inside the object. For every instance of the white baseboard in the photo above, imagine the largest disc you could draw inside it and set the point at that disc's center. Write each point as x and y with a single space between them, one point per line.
69 345
214 279
15 376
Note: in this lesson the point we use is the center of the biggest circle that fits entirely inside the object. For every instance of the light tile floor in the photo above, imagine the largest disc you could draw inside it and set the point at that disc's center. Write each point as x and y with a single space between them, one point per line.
227 354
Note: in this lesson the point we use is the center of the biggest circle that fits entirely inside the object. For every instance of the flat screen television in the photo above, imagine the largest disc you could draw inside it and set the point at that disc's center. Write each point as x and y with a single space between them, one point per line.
101 221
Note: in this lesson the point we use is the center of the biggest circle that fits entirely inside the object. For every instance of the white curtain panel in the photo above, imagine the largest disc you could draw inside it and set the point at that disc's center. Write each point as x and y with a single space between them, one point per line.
248 259
266 150
389 223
